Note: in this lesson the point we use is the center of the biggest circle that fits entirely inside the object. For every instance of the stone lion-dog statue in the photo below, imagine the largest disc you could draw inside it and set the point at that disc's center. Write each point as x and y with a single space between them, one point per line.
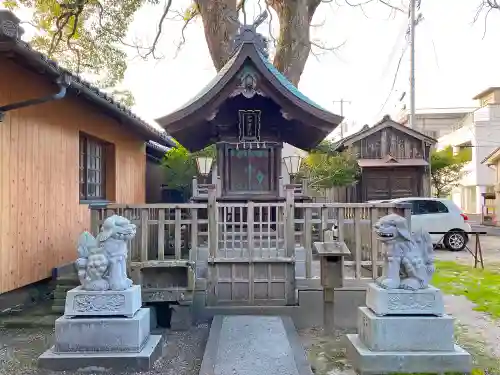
408 257
102 261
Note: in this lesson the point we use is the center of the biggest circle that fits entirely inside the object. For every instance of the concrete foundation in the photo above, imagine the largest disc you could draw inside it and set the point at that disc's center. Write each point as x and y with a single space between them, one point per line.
103 338
405 333
102 334
123 361
368 362
103 303
397 334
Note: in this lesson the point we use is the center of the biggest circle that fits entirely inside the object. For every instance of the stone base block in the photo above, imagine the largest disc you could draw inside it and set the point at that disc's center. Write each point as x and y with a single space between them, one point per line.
181 319
367 362
102 334
382 301
81 302
142 361
405 333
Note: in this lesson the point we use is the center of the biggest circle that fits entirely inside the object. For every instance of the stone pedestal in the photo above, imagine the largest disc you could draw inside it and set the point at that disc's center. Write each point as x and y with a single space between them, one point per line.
81 302
107 330
404 331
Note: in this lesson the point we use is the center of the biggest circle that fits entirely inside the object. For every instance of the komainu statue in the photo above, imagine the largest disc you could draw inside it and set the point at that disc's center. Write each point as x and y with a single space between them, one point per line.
408 258
102 261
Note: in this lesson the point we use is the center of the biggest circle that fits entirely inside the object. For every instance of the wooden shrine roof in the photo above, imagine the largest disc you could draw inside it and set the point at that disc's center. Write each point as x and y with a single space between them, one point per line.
192 124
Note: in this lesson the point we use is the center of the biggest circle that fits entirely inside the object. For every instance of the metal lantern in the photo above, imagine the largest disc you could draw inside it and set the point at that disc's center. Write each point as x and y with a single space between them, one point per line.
292 164
204 165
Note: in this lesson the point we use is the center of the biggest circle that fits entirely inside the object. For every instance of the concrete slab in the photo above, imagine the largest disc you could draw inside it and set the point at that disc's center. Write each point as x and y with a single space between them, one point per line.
142 361
106 334
382 301
367 362
81 302
254 345
405 333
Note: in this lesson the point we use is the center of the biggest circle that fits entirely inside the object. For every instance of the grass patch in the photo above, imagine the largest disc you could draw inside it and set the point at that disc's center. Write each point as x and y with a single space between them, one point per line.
477 285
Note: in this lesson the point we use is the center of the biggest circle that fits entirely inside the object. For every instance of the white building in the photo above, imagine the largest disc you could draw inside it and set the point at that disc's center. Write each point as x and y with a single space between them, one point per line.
435 122
479 130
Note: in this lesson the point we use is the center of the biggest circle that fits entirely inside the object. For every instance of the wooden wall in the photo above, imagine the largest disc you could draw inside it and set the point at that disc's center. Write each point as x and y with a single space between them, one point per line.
40 214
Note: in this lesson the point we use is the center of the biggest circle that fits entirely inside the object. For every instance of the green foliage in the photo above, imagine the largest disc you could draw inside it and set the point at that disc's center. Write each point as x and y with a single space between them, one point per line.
447 169
85 37
326 168
180 166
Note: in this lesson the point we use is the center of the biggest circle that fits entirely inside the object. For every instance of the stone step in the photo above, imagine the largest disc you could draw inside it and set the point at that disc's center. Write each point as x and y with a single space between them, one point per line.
58 309
71 281
265 344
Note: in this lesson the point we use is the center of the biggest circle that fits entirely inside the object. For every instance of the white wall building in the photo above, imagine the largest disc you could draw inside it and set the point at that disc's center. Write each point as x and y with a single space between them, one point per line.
435 122
479 130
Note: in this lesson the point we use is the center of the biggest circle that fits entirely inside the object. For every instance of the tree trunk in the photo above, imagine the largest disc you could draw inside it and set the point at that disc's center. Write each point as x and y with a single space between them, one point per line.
293 45
219 28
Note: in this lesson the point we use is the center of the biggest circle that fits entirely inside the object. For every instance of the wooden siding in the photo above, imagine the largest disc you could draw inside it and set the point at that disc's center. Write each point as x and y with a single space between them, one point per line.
390 141
40 213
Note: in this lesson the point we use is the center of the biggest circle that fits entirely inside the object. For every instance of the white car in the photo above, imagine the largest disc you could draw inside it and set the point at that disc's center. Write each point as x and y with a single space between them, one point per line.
441 216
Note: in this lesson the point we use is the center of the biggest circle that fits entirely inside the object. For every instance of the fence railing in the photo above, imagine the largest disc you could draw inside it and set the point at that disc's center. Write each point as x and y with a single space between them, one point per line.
276 230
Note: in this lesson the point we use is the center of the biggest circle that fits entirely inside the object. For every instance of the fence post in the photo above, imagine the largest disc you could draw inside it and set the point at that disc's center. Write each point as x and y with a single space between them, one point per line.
195 187
213 236
289 221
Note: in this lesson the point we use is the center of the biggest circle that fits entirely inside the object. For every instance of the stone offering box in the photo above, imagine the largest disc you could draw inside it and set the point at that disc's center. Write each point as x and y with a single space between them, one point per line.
103 329
403 331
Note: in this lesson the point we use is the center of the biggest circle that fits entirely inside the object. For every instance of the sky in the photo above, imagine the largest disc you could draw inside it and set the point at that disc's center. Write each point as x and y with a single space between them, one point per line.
454 59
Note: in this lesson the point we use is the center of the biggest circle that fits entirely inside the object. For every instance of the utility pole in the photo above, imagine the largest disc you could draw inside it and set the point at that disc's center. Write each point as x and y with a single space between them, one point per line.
342 102
413 26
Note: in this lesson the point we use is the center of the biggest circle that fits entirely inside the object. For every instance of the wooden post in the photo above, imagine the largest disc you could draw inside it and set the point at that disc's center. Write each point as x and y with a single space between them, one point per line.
374 242
144 234
193 256
213 236
177 233
304 186
161 234
250 228
195 187
219 187
308 240
332 267
289 221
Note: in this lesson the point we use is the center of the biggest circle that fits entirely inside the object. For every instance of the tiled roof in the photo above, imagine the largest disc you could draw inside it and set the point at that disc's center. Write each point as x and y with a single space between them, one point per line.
10 33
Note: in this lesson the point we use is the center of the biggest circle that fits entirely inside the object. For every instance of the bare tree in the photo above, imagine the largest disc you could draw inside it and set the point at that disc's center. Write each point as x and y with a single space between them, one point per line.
88 35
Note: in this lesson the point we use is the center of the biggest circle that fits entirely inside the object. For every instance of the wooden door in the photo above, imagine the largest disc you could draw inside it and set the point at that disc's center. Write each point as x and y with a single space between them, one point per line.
391 183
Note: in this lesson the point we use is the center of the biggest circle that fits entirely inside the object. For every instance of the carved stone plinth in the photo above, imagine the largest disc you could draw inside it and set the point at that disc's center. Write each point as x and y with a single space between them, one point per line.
382 301
103 303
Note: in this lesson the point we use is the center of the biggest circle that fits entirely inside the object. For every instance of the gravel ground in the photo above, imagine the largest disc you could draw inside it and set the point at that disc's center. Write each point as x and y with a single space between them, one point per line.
478 324
20 348
183 351
490 246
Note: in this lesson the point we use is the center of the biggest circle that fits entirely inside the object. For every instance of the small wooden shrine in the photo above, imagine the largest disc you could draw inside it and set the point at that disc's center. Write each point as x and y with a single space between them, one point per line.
394 161
249 110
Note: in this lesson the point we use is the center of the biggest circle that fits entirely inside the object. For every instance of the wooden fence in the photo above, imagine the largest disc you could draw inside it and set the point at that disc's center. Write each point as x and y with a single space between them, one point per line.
270 230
